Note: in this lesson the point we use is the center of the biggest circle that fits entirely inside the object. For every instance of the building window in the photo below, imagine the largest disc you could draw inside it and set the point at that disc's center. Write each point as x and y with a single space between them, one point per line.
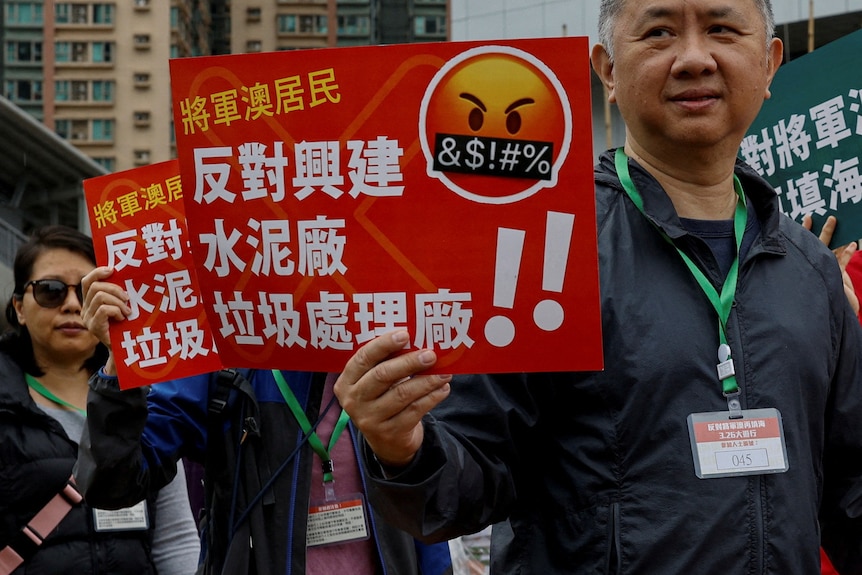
430 25
103 90
23 90
142 4
252 14
61 91
82 131
301 24
103 130
142 119
75 130
103 52
142 41
309 24
80 14
79 91
253 46
103 13
26 13
109 163
79 52
142 80
354 25
23 52
286 23
61 51
84 91
61 14
142 157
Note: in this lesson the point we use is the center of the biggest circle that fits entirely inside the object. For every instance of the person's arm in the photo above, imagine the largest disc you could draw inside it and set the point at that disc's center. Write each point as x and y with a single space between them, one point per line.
109 455
176 544
442 474
133 438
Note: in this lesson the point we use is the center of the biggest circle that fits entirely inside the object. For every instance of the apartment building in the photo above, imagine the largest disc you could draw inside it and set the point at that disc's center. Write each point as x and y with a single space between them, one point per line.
96 72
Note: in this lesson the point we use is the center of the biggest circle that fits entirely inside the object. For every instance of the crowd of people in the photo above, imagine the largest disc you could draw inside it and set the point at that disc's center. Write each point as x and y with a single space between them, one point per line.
718 312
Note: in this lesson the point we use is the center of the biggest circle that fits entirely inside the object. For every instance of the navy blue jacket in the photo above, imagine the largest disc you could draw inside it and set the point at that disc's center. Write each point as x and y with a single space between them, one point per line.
593 472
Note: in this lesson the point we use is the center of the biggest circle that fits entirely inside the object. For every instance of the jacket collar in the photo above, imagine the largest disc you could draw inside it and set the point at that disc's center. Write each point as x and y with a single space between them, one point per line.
660 210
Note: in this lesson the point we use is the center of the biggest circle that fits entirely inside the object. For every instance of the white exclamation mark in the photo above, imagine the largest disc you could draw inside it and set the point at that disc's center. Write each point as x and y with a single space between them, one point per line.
499 330
548 314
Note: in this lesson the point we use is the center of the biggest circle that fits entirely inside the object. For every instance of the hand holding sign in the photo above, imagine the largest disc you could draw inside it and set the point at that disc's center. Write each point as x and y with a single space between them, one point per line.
386 395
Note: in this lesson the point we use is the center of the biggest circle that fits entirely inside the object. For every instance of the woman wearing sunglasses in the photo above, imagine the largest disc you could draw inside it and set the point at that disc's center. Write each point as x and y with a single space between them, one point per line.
45 362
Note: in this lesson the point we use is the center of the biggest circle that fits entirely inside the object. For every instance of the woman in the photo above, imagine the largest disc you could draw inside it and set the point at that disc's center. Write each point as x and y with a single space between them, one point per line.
45 362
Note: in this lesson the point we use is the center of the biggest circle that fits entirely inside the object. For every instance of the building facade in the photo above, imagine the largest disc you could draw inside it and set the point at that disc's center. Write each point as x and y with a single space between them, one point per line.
96 72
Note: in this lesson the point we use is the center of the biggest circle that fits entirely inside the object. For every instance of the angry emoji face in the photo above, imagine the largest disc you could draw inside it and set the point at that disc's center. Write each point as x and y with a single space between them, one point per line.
498 123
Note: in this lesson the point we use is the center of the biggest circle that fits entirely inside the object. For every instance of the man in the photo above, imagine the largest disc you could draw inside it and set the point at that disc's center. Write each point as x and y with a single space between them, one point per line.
724 322
284 488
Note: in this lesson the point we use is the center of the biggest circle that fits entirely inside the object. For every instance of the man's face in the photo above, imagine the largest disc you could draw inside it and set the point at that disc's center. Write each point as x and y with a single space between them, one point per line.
690 73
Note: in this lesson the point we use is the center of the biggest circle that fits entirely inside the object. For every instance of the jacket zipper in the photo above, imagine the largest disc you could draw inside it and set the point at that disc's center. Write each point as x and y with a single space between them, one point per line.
757 500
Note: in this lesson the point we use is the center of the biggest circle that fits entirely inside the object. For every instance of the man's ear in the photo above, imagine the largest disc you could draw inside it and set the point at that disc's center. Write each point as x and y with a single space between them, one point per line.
775 55
604 68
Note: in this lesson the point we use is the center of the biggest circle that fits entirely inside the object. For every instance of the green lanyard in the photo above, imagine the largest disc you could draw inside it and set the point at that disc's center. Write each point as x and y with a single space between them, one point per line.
721 302
313 439
43 391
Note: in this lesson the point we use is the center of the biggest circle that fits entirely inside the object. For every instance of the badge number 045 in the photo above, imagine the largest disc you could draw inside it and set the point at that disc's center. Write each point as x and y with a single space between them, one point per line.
749 445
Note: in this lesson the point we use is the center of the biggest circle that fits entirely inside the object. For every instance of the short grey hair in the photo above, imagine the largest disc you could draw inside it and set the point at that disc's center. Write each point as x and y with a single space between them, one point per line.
610 10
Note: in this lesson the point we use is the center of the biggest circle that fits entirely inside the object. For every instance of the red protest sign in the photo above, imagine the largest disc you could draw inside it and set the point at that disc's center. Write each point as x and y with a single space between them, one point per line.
445 188
138 222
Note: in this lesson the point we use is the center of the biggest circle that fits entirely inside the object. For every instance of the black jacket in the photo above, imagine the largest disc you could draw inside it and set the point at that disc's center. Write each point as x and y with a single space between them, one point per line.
135 439
36 460
593 472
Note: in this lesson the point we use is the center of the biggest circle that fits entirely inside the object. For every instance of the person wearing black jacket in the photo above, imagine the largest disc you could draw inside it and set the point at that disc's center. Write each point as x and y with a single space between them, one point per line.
46 359
723 434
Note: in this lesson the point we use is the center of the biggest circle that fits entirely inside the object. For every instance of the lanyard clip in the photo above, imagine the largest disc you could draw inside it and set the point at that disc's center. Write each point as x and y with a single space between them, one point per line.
725 363
734 405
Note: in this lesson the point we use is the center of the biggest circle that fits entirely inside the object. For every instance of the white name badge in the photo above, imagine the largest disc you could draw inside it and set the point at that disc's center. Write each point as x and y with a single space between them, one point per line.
132 518
750 445
337 521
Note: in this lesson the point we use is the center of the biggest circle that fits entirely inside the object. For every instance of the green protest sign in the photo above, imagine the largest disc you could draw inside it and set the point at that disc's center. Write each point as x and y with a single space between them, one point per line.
807 139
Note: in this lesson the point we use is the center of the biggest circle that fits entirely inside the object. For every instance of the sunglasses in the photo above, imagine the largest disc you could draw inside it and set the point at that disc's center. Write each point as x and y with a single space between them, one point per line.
52 293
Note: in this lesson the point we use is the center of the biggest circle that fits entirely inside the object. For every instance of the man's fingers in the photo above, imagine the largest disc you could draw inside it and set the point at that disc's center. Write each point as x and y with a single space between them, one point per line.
384 390
828 230
371 354
412 398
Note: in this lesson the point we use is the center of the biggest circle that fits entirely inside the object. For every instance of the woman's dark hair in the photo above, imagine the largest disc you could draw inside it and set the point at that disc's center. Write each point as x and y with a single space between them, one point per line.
16 342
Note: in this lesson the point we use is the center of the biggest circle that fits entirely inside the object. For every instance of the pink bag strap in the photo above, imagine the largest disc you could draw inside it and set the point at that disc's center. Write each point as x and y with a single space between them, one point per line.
41 525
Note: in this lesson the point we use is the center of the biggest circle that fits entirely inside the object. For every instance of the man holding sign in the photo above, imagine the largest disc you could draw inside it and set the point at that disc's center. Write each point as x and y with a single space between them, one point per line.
723 434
